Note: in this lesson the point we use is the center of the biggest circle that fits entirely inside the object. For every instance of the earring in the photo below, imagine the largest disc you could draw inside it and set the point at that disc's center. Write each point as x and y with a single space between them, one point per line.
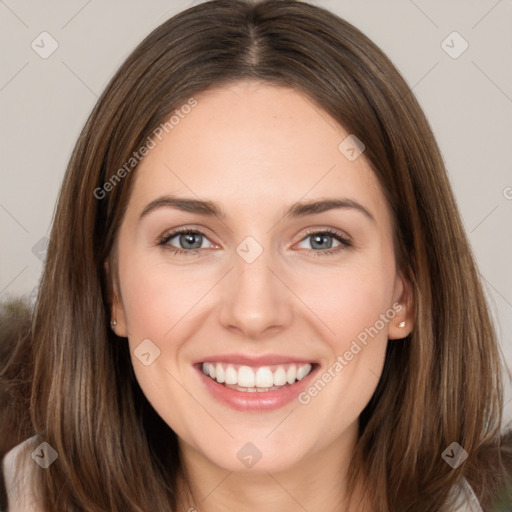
401 324
113 324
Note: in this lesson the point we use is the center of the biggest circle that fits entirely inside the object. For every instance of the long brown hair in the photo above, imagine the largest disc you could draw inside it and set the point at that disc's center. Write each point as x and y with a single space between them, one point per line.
439 385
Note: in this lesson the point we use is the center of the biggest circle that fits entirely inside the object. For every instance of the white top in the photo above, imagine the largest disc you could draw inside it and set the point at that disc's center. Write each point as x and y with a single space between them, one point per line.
17 472
21 498
467 501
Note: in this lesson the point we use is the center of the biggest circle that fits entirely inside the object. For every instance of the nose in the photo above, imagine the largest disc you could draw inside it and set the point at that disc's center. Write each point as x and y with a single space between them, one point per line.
257 301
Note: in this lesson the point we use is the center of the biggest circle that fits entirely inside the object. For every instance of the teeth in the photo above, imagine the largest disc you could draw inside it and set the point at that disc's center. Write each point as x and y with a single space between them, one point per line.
291 374
219 373
279 377
263 378
303 371
245 377
231 376
253 390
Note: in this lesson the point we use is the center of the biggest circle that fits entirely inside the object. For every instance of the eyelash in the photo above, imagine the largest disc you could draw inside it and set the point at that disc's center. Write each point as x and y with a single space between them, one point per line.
345 243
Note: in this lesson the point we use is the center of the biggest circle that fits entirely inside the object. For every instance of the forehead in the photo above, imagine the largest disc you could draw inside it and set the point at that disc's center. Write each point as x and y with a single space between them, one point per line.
250 144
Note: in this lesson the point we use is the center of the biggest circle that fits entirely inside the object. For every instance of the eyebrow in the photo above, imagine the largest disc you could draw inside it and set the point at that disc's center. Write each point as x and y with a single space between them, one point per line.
211 209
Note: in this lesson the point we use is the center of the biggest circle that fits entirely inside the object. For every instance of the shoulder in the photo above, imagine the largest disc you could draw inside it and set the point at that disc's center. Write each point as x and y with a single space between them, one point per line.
19 474
466 500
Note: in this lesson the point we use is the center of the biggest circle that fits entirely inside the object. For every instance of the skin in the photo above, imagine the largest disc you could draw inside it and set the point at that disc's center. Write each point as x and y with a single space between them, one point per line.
254 149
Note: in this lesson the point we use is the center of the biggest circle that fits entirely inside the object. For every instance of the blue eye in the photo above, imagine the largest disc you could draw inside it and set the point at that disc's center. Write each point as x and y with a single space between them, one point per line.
319 238
192 241
187 237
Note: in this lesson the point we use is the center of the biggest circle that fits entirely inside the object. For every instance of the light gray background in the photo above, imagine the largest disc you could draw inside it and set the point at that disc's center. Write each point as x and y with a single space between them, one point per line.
468 100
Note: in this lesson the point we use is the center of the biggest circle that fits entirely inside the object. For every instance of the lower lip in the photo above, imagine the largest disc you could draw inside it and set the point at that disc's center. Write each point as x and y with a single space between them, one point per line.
258 400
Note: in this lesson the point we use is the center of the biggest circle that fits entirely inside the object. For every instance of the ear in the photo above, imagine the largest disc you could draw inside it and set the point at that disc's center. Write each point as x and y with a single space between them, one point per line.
117 313
403 297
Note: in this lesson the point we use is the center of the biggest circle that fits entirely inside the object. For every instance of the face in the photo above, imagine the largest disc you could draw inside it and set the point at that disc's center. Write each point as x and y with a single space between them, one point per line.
288 311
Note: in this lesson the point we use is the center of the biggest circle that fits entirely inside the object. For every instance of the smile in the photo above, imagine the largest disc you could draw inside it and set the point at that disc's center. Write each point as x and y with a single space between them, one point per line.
256 379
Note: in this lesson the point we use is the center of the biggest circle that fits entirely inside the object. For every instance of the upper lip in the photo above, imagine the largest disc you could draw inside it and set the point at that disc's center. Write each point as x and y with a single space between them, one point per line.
244 359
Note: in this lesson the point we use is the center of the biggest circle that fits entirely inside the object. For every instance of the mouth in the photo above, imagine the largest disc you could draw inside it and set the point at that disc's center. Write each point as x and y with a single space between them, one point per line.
260 379
255 387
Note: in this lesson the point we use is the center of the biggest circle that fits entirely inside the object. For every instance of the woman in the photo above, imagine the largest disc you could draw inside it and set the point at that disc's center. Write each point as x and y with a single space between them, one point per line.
257 369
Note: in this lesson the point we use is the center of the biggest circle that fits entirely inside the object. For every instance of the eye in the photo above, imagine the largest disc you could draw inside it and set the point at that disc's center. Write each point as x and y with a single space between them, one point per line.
323 240
190 239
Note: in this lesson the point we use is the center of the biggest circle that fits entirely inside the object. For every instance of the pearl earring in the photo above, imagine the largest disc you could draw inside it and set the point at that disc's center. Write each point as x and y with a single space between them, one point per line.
113 324
401 324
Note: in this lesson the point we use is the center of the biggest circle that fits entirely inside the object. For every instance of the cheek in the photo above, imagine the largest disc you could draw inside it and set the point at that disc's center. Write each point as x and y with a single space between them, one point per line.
355 355
356 304
159 304
351 299
156 297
